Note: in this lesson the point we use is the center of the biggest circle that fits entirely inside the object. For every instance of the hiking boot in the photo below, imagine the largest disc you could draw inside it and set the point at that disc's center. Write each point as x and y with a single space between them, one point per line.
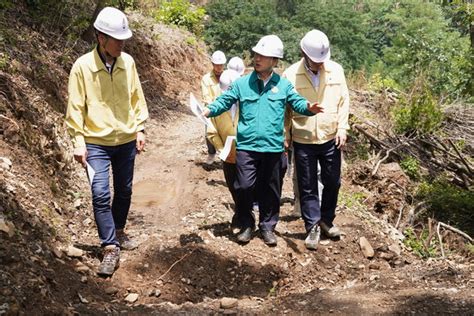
125 242
235 224
312 240
245 235
269 237
110 262
331 232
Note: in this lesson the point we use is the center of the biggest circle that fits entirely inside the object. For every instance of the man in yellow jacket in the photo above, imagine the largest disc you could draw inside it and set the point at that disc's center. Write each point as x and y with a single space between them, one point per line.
225 125
210 90
105 117
320 138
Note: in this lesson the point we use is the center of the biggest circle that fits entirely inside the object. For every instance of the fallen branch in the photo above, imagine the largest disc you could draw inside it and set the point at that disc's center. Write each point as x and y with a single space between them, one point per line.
175 263
440 240
453 229
387 154
399 216
460 156
9 119
412 214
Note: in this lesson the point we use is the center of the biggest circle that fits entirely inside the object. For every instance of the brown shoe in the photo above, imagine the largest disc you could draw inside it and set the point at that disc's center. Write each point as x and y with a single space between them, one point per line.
110 262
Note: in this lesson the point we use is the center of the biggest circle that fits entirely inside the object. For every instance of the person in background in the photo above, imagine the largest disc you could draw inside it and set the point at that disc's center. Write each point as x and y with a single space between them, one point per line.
262 97
318 139
105 117
225 125
210 90
236 64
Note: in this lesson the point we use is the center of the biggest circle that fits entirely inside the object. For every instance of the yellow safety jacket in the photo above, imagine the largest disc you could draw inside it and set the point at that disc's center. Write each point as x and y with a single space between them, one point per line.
210 88
224 126
332 95
104 108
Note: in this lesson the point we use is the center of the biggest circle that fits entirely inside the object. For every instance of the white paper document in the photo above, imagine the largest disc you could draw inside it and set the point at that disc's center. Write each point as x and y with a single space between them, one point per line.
90 173
197 109
227 147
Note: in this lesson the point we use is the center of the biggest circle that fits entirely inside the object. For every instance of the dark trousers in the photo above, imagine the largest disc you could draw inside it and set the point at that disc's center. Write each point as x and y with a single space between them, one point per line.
258 176
230 175
111 216
307 157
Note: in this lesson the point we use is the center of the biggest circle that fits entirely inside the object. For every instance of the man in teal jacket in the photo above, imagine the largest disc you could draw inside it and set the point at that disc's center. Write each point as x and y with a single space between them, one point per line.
262 97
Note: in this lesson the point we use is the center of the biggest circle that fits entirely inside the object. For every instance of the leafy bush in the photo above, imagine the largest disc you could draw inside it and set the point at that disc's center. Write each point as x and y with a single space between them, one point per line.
420 114
411 167
183 14
417 244
449 203
420 42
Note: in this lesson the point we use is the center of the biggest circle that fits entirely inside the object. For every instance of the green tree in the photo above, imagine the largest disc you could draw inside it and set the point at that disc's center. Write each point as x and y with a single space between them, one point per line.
347 26
235 26
421 42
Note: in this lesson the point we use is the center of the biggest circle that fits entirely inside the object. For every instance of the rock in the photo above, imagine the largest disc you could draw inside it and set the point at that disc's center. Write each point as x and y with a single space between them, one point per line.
84 279
82 299
5 163
395 248
74 252
228 302
374 266
7 227
157 293
87 221
77 203
111 290
373 277
81 268
57 252
131 298
324 242
366 248
387 256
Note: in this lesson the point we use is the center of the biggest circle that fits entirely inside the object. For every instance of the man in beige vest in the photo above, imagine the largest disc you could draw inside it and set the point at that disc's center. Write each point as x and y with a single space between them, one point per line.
320 138
210 90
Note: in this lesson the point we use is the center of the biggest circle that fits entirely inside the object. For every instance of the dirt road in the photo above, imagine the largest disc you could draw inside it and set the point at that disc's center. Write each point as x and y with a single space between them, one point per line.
189 261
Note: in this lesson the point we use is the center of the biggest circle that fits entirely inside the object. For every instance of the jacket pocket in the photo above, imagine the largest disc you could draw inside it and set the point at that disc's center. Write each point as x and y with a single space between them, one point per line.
248 107
327 123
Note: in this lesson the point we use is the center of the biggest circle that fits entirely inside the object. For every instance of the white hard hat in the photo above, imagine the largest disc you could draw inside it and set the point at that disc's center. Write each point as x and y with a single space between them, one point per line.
236 64
270 46
218 58
113 22
227 77
315 44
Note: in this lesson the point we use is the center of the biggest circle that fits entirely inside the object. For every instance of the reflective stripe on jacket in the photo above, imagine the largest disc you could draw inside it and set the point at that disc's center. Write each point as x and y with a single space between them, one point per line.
104 109
261 115
332 95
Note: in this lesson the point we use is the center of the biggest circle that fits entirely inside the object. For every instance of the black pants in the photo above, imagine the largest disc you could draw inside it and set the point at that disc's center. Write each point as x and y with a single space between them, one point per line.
259 176
307 157
230 175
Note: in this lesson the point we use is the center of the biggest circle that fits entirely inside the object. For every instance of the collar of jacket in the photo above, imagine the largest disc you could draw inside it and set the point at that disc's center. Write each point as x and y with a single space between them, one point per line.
98 64
254 77
302 69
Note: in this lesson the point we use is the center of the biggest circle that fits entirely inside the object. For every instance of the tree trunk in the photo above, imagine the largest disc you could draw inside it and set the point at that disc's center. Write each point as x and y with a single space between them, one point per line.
89 34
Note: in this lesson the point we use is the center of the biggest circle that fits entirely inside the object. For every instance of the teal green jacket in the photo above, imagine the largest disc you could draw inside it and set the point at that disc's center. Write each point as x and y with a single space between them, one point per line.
261 115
